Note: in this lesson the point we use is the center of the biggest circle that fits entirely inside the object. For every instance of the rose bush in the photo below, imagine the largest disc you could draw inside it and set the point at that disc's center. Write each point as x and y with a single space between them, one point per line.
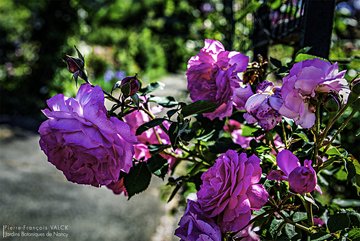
254 157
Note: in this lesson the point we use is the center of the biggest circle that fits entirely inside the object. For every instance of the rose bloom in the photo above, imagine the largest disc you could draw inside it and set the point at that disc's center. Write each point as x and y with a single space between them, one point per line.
195 226
213 75
302 179
230 190
80 140
305 80
142 153
262 107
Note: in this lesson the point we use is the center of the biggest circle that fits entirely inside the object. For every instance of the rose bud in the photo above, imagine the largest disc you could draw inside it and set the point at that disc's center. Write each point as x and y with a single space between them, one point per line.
130 85
303 179
73 64
76 65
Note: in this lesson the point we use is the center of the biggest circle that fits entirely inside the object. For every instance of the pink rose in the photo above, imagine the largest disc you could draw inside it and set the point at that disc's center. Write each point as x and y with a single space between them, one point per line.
305 80
80 140
212 75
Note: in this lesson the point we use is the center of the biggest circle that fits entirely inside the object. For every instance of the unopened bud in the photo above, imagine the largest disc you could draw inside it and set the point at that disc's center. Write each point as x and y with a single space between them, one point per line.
76 65
130 85
73 64
332 103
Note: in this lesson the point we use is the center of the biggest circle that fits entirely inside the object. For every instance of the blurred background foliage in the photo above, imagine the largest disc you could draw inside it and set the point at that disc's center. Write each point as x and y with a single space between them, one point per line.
124 37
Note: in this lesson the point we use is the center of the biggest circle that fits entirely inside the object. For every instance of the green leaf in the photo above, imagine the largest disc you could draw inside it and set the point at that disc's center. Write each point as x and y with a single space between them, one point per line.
303 50
179 131
173 193
173 134
170 113
290 231
167 102
299 216
275 4
302 57
248 130
303 136
158 165
321 236
311 200
276 226
198 107
339 221
354 234
135 98
150 88
138 179
332 151
79 54
277 63
345 203
223 144
156 148
354 218
148 125
353 168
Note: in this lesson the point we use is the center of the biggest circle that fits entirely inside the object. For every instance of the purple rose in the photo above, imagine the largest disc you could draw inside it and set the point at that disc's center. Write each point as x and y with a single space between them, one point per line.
241 95
262 107
305 80
212 75
195 226
302 179
80 140
228 193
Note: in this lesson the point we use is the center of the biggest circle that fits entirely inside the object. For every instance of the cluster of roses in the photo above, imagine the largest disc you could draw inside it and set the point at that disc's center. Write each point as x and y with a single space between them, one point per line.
214 75
230 189
90 147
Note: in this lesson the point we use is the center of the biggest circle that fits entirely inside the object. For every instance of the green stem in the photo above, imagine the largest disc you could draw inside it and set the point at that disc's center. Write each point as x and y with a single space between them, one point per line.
308 207
332 121
284 135
317 132
341 128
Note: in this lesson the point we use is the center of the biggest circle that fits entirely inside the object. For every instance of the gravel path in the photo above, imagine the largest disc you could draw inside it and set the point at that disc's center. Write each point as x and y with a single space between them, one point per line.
34 193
